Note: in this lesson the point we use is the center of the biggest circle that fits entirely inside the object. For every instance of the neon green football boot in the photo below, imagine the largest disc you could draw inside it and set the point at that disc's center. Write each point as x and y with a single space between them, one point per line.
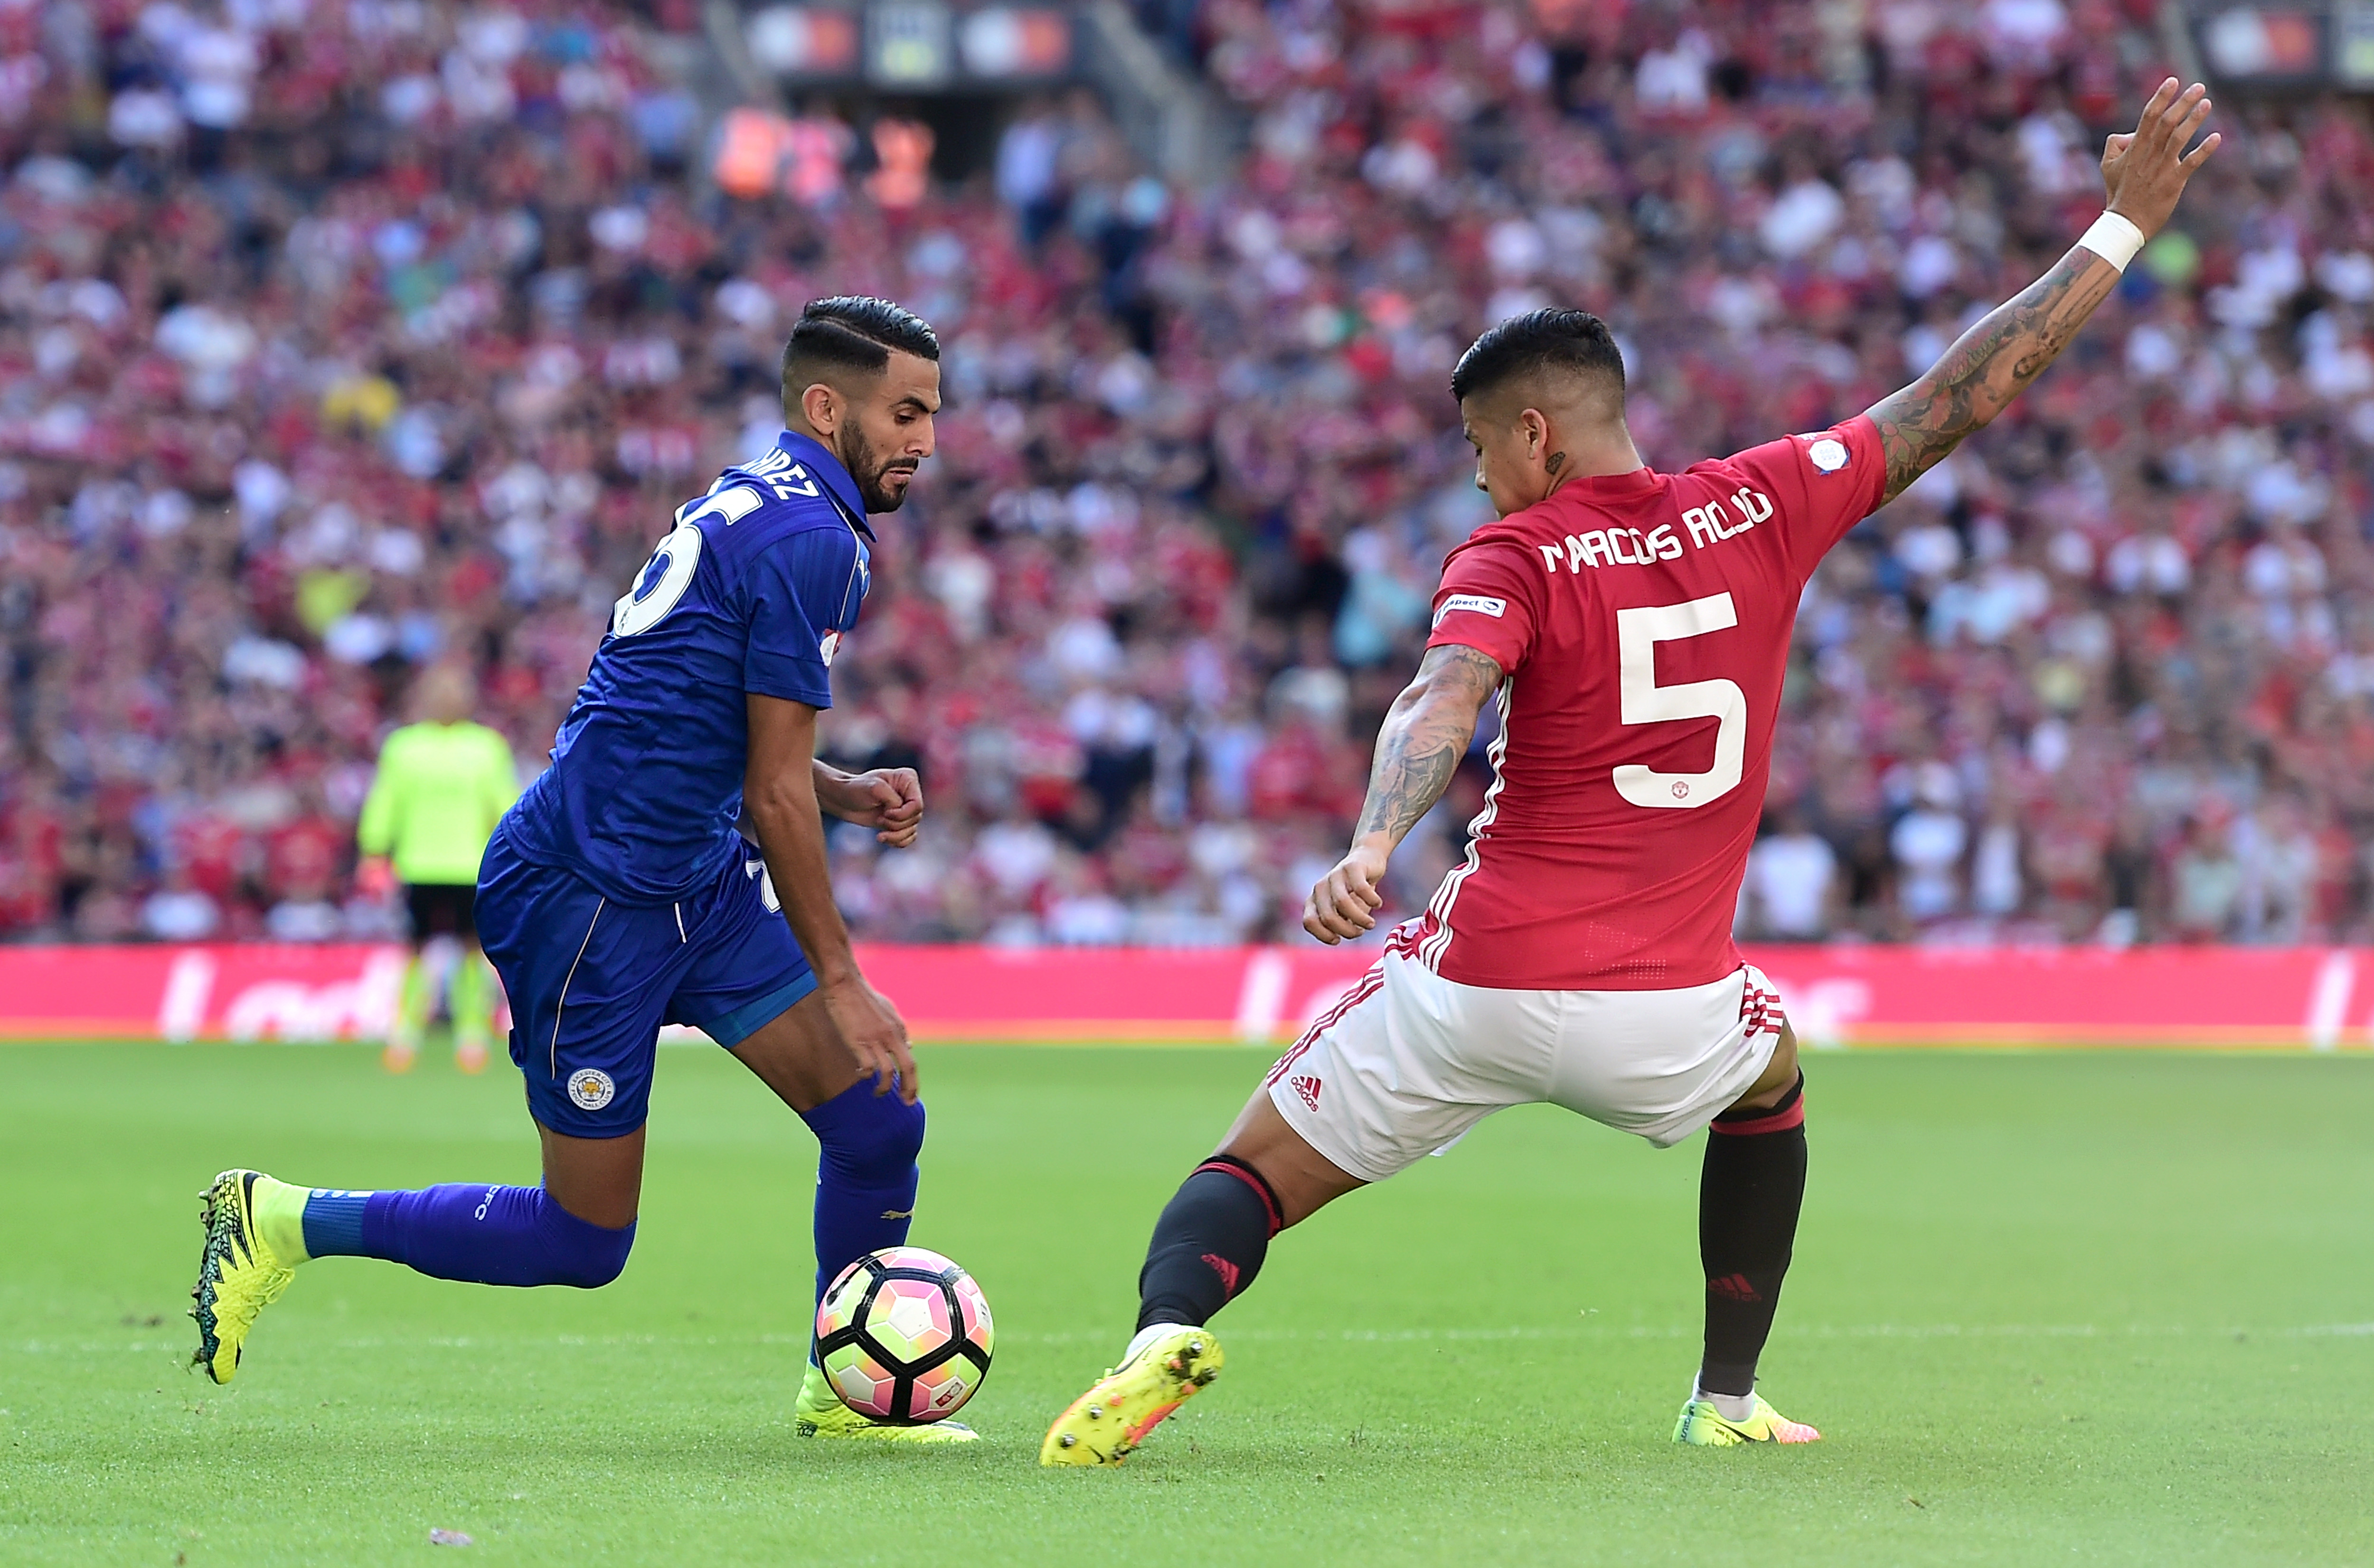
1107 1424
1703 1426
254 1241
819 1412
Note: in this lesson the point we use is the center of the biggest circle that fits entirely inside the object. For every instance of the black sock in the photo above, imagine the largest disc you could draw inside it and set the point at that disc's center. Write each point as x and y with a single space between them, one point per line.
1753 1185
1208 1244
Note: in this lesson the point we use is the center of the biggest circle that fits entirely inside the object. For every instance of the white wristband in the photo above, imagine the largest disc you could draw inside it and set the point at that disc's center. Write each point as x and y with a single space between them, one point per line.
2113 239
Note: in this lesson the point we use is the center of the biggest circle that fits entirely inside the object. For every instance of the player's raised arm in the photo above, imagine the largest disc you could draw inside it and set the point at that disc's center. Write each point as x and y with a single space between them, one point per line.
2144 172
779 790
1426 733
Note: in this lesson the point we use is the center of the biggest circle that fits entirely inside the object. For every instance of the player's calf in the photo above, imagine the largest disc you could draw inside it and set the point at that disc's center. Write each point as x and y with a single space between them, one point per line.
1207 1248
1208 1245
482 1232
260 1231
866 1175
1750 1192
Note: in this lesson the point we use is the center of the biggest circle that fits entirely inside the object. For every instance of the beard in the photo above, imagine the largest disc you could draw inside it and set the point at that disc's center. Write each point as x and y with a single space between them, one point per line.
871 472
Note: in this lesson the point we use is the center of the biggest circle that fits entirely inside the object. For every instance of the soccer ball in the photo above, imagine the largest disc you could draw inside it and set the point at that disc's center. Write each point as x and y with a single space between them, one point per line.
904 1336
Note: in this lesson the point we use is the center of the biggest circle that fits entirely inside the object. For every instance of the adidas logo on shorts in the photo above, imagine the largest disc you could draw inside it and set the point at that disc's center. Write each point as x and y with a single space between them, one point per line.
1306 1088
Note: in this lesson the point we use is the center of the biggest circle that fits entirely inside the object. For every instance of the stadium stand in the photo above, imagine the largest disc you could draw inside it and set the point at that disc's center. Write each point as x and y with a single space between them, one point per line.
337 340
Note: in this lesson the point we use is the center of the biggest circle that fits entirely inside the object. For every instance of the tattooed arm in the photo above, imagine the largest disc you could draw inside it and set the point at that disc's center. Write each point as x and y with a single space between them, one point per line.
1988 367
1425 735
2144 172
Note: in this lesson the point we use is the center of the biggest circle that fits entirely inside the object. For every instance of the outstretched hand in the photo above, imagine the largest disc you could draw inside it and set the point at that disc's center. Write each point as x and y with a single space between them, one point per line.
2144 170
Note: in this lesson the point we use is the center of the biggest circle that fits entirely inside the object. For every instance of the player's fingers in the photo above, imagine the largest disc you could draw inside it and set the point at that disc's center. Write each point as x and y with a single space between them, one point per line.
1351 907
2200 155
2160 100
2190 126
2185 103
1330 908
1351 879
909 1078
1347 890
876 1062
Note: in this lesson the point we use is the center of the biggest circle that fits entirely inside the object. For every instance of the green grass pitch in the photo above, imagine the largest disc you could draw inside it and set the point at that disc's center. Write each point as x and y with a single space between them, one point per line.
2085 1307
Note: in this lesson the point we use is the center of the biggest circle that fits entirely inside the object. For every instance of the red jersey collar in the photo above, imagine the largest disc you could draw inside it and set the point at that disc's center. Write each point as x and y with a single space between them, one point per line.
1641 478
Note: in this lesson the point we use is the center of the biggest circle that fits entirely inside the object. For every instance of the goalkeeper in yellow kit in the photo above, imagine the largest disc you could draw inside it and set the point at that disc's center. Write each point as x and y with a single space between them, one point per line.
440 786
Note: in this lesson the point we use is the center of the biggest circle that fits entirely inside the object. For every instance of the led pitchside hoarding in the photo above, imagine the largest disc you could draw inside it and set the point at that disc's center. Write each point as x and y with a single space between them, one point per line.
2317 998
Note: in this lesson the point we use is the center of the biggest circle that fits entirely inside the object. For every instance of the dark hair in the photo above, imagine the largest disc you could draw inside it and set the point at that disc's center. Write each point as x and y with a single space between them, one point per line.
852 331
1573 342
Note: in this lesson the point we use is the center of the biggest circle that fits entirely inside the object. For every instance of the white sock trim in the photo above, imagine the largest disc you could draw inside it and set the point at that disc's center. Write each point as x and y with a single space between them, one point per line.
1146 1336
1731 1407
2114 239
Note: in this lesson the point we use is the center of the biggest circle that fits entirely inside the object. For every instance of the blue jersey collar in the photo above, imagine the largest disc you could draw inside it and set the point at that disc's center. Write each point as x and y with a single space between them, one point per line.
826 467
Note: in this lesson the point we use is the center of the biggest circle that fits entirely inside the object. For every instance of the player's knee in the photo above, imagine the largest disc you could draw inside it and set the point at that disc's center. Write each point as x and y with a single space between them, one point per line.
880 1142
581 1253
601 1259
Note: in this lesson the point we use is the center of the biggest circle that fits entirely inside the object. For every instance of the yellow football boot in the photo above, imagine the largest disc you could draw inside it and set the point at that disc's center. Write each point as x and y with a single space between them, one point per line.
240 1271
819 1412
1703 1426
1111 1419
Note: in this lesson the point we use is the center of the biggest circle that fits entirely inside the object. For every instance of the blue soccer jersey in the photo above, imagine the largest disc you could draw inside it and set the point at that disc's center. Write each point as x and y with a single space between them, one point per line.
750 591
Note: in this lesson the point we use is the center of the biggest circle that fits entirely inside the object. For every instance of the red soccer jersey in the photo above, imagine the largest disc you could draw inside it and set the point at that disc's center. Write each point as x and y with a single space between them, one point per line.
1642 620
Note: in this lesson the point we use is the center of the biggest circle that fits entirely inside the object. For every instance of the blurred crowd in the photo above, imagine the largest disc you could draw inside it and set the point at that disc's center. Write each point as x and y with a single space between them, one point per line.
341 340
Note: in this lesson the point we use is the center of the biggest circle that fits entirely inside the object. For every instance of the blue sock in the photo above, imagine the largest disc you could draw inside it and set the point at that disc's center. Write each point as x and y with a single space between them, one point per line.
491 1234
865 1176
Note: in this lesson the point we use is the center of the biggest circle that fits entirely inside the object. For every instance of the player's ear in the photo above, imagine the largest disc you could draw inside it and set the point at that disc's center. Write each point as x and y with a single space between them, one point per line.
821 404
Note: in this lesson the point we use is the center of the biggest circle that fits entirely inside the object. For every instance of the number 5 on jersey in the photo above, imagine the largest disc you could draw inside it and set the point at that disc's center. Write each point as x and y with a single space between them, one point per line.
1637 632
669 572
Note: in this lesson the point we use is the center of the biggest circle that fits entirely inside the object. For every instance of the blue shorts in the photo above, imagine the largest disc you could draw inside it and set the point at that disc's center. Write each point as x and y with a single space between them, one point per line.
591 980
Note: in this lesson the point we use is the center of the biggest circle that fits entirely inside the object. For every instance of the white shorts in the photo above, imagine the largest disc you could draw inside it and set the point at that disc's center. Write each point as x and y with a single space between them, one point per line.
1408 1061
